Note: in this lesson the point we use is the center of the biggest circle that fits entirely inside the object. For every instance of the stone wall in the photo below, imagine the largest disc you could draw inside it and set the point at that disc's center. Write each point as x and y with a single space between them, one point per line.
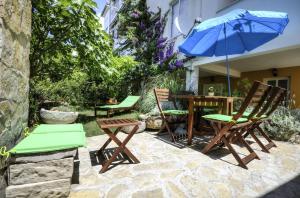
15 31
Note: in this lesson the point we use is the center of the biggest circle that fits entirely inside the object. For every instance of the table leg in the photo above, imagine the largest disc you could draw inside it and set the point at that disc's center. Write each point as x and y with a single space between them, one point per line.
108 141
122 147
190 121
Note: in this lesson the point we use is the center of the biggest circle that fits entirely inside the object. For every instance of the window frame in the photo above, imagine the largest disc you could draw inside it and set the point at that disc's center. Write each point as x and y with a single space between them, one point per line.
277 79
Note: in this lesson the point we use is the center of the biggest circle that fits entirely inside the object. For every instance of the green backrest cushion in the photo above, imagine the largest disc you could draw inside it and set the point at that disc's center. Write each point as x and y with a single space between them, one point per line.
129 101
47 142
53 128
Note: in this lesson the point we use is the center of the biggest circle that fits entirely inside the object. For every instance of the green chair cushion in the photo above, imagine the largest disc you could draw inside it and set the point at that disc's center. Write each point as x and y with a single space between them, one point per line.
53 128
126 103
175 112
208 110
246 114
223 118
47 142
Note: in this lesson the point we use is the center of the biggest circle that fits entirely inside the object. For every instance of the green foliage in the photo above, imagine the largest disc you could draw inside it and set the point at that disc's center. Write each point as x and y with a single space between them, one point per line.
243 87
284 123
69 90
67 34
170 80
117 85
70 54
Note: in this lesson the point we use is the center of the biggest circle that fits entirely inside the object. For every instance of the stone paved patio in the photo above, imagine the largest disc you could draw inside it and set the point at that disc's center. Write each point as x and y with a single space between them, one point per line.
169 171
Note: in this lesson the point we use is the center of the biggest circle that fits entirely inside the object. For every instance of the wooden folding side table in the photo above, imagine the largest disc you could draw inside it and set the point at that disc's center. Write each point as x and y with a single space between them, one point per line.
106 125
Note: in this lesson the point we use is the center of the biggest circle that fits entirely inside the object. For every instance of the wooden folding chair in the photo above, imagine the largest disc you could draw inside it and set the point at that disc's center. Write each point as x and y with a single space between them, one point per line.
276 97
163 95
228 127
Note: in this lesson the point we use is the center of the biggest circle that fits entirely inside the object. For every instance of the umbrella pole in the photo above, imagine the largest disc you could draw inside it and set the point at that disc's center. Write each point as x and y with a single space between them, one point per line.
227 63
228 76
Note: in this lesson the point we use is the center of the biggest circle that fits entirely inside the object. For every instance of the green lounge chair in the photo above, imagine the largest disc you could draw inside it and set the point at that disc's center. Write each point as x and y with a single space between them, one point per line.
127 104
50 138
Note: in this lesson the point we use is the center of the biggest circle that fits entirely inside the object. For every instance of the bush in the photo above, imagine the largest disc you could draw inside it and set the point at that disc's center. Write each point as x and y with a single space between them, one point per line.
68 90
284 123
174 81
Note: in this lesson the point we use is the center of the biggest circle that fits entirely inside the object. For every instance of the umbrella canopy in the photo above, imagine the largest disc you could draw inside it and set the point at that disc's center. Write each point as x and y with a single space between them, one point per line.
234 33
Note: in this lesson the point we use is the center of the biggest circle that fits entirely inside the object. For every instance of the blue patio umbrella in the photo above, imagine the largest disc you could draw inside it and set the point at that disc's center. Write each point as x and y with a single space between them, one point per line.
234 33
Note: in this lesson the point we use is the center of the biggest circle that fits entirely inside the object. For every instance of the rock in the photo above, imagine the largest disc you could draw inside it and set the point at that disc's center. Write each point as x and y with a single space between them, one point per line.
116 190
174 190
3 183
128 129
143 117
295 138
87 194
153 123
54 189
58 117
40 171
150 193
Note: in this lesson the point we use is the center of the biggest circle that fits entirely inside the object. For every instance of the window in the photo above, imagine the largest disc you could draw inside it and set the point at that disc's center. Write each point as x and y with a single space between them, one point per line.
184 13
283 82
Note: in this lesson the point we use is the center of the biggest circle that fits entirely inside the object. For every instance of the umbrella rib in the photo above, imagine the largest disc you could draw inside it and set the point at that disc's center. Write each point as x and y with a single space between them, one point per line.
263 23
241 38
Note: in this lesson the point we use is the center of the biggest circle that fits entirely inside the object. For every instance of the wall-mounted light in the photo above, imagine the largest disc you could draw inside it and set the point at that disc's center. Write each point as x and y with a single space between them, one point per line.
274 72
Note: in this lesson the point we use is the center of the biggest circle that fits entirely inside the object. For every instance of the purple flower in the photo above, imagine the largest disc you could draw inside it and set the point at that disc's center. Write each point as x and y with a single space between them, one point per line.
169 51
161 56
160 45
142 25
135 14
178 63
161 40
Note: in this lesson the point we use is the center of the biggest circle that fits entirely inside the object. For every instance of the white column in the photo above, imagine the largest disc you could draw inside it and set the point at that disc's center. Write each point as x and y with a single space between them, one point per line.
192 78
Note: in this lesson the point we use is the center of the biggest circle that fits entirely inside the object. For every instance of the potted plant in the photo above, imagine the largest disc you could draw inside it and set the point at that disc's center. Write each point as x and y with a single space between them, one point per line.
211 91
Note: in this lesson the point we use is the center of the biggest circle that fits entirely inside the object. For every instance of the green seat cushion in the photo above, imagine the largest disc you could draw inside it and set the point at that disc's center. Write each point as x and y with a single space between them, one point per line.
175 112
223 118
47 142
208 110
126 103
246 114
52 128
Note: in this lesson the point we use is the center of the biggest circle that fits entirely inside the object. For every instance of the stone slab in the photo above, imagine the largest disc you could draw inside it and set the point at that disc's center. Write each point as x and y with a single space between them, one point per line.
41 171
54 189
43 157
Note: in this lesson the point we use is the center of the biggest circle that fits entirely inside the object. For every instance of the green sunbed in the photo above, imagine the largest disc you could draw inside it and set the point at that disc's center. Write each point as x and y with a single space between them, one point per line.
54 128
51 137
127 104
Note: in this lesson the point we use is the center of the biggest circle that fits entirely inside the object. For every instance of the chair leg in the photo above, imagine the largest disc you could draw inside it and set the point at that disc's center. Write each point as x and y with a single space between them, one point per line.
170 132
270 142
163 126
234 153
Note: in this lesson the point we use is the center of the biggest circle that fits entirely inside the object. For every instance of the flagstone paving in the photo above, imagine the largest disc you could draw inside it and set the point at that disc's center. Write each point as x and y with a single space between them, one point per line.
179 171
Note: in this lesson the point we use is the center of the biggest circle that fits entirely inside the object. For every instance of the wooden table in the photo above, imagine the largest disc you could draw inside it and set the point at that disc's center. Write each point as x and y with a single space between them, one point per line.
227 109
106 125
